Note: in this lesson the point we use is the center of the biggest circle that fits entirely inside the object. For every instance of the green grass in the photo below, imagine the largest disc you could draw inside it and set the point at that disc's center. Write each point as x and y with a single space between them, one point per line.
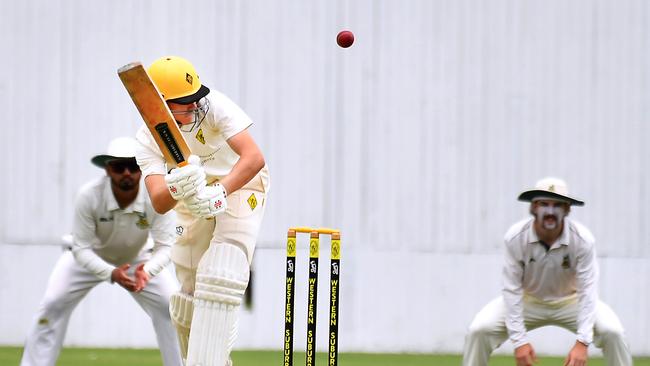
10 356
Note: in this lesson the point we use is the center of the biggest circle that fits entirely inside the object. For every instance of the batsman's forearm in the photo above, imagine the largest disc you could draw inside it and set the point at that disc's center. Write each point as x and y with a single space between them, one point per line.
161 199
243 171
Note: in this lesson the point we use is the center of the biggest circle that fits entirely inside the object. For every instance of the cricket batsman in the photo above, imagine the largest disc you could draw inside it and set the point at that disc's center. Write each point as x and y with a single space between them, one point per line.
219 198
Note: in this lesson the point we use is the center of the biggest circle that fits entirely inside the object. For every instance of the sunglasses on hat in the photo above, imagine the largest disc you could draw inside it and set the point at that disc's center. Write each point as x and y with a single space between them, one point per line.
119 166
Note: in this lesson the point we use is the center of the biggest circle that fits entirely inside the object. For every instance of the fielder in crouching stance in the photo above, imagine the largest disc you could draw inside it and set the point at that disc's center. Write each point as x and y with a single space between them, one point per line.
219 199
550 277
112 222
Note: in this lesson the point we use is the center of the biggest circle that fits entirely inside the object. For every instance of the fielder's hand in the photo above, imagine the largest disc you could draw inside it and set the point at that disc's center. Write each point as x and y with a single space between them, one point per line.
186 181
208 202
525 355
577 356
141 278
120 277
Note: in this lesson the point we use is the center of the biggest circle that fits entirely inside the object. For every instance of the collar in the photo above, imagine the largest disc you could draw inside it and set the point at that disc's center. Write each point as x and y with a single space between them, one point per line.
562 240
111 203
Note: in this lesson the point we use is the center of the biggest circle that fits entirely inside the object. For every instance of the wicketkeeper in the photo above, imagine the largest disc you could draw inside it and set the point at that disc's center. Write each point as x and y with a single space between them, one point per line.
550 277
112 223
219 198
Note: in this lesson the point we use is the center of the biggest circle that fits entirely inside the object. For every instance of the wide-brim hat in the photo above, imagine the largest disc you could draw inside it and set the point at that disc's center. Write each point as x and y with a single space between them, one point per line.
550 188
119 148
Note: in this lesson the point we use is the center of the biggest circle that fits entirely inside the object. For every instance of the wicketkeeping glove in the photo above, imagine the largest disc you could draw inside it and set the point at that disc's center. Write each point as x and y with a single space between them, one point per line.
186 181
208 202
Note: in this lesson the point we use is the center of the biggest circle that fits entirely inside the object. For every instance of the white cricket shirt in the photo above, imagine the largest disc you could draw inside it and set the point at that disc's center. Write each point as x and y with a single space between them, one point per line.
568 269
105 236
223 120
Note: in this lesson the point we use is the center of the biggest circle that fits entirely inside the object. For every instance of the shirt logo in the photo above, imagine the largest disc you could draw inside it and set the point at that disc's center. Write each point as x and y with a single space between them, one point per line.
199 136
566 262
106 219
179 230
142 222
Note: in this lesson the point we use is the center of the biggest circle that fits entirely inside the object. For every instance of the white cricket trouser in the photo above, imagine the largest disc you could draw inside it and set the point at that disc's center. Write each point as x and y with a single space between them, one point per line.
68 284
237 227
488 330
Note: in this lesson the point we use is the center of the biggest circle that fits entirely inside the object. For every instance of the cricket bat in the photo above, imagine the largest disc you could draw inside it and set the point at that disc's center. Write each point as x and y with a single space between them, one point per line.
155 113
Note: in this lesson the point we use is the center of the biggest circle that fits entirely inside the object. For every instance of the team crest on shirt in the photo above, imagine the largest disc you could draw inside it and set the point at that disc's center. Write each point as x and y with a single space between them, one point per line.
199 136
179 230
142 221
566 262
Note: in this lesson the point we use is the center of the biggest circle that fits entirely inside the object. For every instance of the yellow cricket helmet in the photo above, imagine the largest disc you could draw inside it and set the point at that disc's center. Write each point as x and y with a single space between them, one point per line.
177 80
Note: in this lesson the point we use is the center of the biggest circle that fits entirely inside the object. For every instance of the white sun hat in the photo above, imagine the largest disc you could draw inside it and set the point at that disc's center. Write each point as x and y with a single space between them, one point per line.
550 188
119 148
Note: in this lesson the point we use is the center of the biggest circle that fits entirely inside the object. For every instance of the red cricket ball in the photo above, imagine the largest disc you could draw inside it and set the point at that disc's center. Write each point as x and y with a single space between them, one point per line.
345 38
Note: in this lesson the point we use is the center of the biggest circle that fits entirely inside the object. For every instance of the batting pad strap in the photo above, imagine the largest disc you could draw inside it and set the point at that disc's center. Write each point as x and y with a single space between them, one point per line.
222 275
220 288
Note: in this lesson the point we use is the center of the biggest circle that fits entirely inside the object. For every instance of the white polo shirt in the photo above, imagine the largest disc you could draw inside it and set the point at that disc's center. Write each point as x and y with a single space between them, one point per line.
223 120
105 236
568 269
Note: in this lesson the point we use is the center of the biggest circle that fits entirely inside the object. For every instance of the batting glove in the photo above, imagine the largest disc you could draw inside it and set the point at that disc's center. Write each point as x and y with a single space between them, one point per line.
208 202
186 181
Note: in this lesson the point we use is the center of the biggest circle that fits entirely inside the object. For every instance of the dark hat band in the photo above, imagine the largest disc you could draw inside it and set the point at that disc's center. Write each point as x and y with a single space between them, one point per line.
529 196
202 92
